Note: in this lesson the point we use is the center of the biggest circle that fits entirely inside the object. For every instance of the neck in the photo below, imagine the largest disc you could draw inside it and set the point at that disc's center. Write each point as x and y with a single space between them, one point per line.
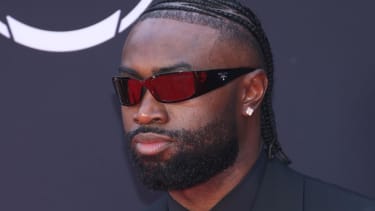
205 196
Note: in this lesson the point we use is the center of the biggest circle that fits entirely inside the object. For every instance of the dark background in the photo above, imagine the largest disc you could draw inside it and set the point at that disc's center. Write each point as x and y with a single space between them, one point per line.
61 143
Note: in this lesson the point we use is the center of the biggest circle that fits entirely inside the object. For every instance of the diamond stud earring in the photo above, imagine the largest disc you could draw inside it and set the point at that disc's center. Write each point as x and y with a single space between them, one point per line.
249 111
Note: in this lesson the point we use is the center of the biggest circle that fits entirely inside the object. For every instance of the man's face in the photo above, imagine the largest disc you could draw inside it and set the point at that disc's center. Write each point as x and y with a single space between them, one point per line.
178 145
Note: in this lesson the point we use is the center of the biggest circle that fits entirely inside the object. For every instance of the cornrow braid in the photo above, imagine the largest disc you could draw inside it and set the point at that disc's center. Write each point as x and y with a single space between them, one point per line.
234 12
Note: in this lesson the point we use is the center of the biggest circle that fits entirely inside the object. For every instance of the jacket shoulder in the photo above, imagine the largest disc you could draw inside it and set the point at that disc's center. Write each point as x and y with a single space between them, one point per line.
283 188
320 195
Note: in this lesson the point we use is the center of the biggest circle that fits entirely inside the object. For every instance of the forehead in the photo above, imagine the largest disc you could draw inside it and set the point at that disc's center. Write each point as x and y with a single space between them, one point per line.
164 41
157 42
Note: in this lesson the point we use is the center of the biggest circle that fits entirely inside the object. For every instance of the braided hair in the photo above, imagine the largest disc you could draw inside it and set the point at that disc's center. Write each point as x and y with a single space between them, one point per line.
235 20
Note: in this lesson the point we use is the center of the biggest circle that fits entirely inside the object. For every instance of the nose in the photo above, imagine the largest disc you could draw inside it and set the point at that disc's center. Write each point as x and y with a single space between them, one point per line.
150 111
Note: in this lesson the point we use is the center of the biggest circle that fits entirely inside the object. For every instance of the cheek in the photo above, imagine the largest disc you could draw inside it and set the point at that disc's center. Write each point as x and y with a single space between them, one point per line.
188 117
198 112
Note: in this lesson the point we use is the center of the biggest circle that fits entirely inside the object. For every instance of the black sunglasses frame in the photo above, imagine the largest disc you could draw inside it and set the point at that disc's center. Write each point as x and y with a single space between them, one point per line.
204 81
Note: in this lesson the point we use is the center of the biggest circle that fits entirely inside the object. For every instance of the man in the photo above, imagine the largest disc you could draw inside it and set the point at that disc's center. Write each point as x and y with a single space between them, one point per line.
195 85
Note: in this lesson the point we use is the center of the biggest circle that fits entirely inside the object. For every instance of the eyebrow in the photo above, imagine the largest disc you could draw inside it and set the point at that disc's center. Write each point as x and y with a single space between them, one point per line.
182 66
127 70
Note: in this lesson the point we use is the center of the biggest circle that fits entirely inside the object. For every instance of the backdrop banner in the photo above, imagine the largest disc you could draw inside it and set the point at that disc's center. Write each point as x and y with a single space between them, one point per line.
61 139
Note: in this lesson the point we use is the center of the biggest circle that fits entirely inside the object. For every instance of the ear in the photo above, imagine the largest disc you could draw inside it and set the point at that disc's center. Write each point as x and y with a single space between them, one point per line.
254 87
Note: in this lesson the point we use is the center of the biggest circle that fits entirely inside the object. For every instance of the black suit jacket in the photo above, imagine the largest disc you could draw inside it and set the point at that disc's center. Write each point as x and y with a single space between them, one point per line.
283 189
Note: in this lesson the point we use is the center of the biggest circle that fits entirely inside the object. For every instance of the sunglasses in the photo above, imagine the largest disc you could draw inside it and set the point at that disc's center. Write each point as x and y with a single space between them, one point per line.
175 86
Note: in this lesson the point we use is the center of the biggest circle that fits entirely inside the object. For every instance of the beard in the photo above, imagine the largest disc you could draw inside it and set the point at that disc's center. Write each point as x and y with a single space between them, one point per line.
200 154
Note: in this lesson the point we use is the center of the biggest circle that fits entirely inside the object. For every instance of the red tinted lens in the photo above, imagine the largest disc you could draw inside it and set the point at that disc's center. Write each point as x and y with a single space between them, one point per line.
129 90
134 91
172 87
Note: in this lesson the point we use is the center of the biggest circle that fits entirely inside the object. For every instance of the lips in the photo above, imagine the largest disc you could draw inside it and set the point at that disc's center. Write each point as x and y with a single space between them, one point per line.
151 144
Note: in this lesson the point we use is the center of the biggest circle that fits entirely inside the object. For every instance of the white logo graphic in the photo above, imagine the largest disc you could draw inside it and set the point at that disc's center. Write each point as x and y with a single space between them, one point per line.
223 75
68 41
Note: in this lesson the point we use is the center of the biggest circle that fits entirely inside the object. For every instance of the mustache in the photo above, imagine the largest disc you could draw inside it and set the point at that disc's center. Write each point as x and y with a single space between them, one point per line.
171 133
